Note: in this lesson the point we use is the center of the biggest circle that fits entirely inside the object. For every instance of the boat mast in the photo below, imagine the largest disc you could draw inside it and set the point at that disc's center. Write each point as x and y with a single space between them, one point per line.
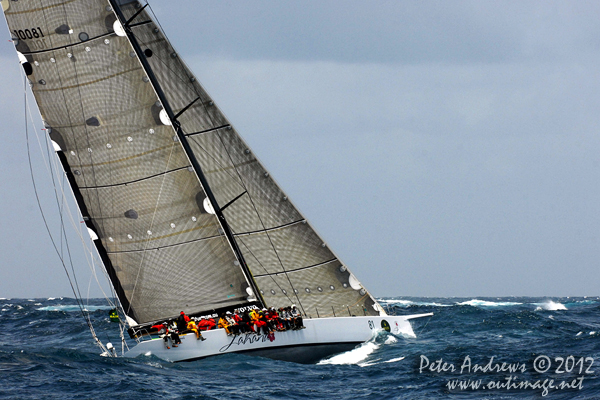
186 147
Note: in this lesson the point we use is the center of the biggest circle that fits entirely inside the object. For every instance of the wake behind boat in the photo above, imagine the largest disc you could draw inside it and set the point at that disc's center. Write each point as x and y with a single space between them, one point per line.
181 212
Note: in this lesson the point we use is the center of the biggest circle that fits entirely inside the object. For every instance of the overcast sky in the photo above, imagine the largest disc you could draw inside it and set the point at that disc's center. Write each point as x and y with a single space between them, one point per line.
440 148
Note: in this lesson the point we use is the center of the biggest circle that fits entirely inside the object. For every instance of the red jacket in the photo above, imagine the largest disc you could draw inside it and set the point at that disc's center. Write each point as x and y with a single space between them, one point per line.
206 324
160 327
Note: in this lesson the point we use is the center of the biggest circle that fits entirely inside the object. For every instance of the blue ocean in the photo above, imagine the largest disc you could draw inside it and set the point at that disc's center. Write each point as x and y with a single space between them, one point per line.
472 348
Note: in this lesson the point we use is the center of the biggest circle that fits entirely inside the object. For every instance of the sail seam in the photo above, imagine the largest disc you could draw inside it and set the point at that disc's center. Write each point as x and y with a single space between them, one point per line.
171 245
268 229
261 221
207 130
263 267
176 125
130 182
39 9
81 43
90 82
224 168
116 161
297 269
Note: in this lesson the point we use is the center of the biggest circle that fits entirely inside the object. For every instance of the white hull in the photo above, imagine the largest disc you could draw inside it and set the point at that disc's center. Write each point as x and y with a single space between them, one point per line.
321 337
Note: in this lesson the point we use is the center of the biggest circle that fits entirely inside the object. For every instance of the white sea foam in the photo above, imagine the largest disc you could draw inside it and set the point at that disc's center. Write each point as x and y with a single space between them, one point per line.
405 302
72 308
354 356
369 363
549 306
391 340
585 302
484 303
51 298
432 304
395 359
592 333
408 303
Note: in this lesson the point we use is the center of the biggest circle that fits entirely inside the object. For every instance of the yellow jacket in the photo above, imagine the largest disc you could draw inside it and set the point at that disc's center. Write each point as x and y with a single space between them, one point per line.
191 325
223 323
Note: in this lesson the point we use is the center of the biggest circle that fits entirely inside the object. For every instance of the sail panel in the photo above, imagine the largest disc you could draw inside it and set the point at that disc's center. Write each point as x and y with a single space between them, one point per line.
111 121
292 247
152 213
324 291
165 281
232 167
131 177
51 24
255 203
182 90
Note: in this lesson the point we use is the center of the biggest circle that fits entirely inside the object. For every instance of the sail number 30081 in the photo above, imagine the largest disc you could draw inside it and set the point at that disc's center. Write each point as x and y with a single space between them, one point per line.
33 33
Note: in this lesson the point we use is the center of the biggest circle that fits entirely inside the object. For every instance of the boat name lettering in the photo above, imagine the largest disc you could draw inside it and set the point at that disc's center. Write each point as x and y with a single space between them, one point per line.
247 308
243 339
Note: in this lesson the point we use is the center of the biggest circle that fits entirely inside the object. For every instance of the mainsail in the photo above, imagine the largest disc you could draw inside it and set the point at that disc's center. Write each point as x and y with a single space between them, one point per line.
186 216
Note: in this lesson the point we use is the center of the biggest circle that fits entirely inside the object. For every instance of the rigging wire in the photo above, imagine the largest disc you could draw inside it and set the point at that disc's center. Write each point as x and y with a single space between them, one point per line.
187 83
53 168
239 181
87 136
79 303
249 279
74 288
262 224
93 172
147 241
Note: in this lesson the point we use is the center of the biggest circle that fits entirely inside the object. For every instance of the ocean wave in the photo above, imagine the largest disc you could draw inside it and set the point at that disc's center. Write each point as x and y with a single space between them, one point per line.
408 303
549 306
73 307
395 359
485 303
391 339
354 356
584 302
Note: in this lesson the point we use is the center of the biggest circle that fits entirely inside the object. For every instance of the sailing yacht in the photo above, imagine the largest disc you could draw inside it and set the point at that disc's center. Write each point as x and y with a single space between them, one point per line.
182 213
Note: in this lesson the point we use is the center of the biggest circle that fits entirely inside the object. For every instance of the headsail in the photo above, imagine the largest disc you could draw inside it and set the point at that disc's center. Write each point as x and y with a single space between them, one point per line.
138 190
